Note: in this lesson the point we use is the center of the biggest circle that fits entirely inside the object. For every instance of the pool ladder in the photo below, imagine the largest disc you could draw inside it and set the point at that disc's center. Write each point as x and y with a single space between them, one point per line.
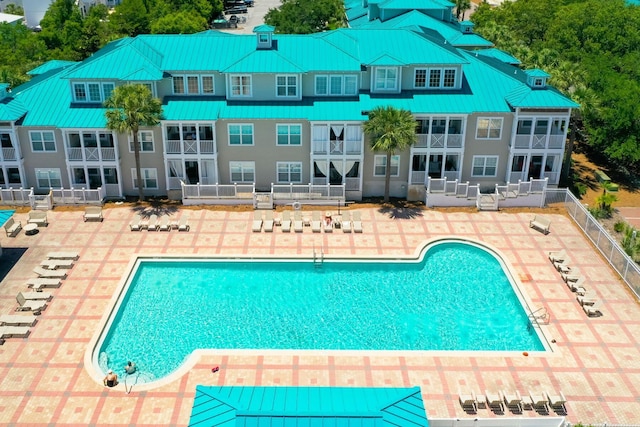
318 260
539 316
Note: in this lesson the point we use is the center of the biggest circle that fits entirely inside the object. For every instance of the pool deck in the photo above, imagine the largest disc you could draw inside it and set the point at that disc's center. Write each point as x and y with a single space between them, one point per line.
43 379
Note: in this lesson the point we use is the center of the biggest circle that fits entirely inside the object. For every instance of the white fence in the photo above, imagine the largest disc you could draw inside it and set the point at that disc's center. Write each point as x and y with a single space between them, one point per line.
626 267
217 194
288 193
56 196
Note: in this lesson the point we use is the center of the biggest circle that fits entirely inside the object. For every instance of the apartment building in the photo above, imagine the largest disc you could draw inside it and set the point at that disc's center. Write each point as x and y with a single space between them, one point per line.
268 108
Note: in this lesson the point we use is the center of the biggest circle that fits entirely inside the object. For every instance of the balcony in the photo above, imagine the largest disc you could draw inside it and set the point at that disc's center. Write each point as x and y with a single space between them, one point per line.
91 154
337 147
439 140
539 142
175 146
8 154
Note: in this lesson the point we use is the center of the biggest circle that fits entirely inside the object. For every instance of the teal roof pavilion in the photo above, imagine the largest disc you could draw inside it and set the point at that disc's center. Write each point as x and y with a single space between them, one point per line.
307 407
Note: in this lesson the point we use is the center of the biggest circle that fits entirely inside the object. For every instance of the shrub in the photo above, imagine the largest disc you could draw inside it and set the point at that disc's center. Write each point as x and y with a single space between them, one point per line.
619 226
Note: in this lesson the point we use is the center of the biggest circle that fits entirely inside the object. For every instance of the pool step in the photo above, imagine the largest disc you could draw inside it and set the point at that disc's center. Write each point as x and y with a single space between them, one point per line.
318 260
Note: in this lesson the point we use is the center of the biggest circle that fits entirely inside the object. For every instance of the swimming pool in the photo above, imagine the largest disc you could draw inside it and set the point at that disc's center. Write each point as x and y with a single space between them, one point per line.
456 296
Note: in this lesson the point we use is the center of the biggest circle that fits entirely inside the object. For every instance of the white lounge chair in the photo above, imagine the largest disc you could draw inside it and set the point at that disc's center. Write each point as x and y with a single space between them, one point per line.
63 255
563 266
183 224
14 331
17 320
316 222
93 213
468 402
540 402
513 401
286 221
136 223
346 222
577 286
256 225
593 310
35 296
38 283
54 264
43 272
164 224
152 223
560 255
37 217
268 221
571 276
298 223
357 222
557 403
589 298
494 401
12 227
30 305
540 223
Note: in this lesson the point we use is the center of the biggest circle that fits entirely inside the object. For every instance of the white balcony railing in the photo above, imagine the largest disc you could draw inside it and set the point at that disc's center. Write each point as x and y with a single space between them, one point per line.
439 140
9 153
92 154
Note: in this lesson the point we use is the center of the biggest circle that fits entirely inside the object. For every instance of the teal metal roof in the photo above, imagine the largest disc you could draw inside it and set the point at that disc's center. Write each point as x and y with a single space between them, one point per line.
308 406
526 97
264 28
415 4
11 110
189 108
536 72
263 61
50 65
498 54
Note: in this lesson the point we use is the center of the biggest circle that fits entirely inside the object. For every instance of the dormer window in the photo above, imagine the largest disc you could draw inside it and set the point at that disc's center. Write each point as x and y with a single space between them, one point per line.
92 91
264 35
263 38
537 78
538 82
466 27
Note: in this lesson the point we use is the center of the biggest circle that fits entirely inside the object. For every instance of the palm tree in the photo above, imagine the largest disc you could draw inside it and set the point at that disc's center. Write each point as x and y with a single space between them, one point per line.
461 7
129 108
391 130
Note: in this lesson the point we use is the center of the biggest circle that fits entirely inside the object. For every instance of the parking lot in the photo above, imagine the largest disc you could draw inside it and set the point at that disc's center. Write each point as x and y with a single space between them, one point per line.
253 17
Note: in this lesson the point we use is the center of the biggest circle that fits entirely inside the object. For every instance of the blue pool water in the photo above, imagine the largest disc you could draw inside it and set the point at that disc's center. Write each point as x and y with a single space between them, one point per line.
457 298
5 215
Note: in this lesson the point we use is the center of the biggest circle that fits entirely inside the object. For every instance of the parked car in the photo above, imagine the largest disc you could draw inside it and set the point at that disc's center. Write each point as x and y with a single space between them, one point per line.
235 10
248 3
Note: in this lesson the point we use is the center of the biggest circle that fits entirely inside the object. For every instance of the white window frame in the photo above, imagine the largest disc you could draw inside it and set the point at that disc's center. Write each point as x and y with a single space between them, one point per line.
346 81
491 125
202 85
286 85
250 168
484 160
48 171
104 87
42 141
380 161
444 78
385 79
326 85
289 166
147 174
149 134
415 78
245 90
181 82
289 127
242 127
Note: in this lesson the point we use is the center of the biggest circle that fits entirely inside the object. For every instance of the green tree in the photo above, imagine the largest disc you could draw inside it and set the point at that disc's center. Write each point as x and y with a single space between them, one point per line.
62 28
461 7
14 9
179 23
20 51
130 18
129 108
95 30
390 130
305 17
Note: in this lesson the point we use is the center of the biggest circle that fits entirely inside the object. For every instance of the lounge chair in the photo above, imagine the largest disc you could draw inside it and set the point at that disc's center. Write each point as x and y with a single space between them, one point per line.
513 401
37 217
39 283
136 223
562 266
589 298
346 222
43 272
577 286
593 310
14 331
63 255
494 401
17 320
540 402
183 224
30 305
571 276
357 222
268 221
93 213
540 223
286 222
256 225
468 402
12 227
298 224
35 296
316 222
152 223
164 224
557 403
54 264
560 255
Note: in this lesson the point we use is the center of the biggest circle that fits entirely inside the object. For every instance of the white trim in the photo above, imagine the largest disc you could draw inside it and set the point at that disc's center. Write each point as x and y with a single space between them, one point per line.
289 126
250 168
289 172
245 89
286 86
484 166
48 171
42 132
242 125
489 127
142 150
384 157
144 178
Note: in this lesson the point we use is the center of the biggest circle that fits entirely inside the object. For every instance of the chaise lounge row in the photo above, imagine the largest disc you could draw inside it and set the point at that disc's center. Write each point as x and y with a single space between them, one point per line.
575 281
155 223
499 401
266 222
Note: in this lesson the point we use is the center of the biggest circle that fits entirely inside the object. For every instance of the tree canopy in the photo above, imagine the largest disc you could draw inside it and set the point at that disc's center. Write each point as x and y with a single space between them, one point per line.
591 48
305 17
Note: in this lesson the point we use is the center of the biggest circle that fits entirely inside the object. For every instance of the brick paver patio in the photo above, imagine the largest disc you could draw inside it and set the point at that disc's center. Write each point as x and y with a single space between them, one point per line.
43 380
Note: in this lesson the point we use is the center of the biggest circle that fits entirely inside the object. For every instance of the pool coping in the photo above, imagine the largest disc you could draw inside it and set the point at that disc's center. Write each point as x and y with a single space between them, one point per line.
91 357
